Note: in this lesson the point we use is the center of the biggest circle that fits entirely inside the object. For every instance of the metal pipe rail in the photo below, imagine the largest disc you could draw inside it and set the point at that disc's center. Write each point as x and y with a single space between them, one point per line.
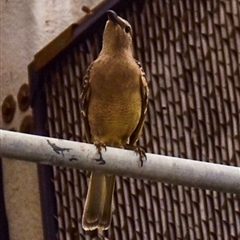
178 171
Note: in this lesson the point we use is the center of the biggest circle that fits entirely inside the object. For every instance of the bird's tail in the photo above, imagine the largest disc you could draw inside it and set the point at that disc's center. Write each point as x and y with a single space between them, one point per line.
98 207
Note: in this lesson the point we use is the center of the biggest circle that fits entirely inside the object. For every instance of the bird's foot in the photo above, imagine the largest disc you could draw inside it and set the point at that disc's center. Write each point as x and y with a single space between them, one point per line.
139 151
99 147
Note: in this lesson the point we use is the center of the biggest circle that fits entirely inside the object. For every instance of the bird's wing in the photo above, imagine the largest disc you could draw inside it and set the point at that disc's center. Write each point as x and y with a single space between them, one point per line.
144 95
85 96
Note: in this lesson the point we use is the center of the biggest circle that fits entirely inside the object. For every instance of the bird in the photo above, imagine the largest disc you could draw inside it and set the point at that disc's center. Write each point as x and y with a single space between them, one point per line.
114 102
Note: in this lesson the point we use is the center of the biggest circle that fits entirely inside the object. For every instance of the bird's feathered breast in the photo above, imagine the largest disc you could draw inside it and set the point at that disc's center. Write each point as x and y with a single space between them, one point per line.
115 94
115 75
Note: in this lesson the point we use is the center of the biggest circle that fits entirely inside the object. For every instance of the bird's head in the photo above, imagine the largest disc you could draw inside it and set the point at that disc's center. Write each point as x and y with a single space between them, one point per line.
117 34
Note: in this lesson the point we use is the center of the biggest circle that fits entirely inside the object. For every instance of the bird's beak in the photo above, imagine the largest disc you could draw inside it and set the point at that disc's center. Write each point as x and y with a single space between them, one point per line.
112 16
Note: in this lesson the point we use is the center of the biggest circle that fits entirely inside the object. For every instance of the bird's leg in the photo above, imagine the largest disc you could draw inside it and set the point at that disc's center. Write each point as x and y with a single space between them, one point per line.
139 151
99 147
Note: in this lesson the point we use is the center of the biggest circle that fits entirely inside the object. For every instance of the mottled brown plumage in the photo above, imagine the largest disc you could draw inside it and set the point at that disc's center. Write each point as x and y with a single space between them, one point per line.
114 103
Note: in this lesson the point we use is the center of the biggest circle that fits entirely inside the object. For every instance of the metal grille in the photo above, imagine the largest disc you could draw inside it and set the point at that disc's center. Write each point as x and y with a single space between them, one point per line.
190 51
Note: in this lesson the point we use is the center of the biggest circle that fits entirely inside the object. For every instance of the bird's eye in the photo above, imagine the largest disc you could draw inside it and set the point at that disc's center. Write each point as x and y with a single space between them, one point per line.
127 29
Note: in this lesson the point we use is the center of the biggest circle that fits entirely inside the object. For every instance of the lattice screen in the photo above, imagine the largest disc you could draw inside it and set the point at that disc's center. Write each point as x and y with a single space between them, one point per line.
190 51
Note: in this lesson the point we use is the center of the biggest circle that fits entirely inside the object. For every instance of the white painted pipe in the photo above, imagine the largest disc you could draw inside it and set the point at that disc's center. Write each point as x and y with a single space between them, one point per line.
160 168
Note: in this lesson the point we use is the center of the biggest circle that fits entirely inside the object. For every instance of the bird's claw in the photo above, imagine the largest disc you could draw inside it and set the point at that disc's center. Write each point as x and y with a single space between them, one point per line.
99 147
142 155
139 151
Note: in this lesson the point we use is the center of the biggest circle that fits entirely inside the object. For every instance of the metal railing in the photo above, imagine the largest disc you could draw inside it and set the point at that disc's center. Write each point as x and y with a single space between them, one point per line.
178 171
